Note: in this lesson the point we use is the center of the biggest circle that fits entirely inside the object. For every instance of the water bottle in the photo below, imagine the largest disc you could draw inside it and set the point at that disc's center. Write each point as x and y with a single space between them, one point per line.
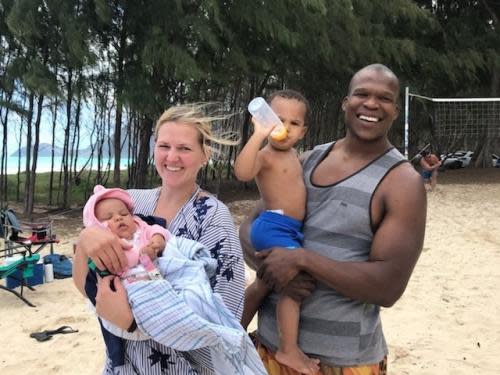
264 114
49 272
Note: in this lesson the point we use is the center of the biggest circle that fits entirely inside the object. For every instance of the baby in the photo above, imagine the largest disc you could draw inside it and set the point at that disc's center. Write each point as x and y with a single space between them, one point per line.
112 209
276 166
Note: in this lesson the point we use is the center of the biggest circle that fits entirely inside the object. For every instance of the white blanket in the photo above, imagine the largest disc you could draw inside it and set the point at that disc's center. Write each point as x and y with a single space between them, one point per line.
182 312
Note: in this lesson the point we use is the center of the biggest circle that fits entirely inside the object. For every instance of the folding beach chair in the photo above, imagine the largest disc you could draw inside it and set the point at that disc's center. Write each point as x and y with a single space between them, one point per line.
34 236
18 262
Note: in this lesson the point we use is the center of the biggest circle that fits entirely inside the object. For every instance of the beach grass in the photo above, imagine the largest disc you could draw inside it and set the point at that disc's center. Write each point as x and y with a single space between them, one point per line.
79 191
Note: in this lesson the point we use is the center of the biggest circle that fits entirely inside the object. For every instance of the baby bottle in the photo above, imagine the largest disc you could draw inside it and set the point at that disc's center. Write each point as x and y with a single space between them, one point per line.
263 113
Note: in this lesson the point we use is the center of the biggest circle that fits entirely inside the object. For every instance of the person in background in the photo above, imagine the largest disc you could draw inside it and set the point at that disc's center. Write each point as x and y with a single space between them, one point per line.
430 164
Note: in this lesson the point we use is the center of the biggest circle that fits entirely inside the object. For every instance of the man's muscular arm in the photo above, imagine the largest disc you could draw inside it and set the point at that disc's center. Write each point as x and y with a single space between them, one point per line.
396 247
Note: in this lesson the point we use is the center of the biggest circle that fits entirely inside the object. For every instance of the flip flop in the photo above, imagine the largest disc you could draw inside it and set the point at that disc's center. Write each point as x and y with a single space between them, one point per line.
47 334
40 336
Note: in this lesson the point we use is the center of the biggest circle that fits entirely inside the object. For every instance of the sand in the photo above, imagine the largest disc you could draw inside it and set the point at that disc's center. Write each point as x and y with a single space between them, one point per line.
446 322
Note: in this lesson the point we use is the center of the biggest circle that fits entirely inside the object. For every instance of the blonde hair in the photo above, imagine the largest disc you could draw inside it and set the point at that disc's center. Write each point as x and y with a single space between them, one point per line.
206 119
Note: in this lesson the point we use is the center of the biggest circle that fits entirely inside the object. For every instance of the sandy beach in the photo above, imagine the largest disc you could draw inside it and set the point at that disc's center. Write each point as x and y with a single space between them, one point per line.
446 322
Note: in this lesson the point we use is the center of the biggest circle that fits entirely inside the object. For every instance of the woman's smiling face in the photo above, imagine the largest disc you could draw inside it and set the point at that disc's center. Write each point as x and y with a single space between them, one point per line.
178 154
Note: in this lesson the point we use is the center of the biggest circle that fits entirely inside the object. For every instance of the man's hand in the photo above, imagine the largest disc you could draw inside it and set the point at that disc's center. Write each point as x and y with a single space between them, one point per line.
300 287
112 303
279 266
248 250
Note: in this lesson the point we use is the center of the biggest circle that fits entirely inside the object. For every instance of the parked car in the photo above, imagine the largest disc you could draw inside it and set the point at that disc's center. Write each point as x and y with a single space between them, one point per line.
456 160
495 160
462 159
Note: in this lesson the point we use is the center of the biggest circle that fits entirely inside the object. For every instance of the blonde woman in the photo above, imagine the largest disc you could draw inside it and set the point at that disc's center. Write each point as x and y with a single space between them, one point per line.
183 140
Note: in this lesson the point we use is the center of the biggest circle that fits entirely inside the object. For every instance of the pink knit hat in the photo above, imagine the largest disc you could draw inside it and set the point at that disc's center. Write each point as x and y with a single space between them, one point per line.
100 192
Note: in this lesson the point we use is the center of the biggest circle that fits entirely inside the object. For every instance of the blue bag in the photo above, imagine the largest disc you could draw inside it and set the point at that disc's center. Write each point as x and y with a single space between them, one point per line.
61 265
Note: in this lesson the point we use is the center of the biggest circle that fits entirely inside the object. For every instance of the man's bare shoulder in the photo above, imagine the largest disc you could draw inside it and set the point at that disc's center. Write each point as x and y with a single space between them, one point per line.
401 196
403 178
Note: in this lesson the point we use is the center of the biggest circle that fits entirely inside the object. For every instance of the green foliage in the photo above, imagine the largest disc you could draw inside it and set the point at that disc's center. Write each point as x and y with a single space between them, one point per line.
38 78
23 20
459 54
144 55
103 11
78 195
12 106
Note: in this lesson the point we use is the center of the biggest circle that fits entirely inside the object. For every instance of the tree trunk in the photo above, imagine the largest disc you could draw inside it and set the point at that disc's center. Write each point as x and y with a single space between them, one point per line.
28 150
3 170
145 132
19 145
133 140
119 100
30 199
65 159
52 151
75 141
117 147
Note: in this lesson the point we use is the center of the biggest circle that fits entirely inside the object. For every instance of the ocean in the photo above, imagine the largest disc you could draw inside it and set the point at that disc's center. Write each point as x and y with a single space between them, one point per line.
44 163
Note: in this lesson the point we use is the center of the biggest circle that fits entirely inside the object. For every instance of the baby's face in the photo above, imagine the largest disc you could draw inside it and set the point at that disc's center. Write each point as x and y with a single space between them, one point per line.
117 216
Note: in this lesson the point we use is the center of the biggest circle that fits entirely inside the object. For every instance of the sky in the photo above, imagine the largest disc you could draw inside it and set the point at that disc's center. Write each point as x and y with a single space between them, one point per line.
14 124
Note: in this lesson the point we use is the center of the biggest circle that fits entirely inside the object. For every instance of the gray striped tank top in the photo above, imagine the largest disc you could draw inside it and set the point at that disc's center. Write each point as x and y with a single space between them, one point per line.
337 330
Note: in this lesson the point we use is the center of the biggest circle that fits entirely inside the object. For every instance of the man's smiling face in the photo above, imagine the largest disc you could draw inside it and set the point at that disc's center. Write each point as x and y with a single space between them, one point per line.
371 105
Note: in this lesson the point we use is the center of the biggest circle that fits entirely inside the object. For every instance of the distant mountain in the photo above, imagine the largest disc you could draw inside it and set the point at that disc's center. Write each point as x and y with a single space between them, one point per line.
44 149
86 152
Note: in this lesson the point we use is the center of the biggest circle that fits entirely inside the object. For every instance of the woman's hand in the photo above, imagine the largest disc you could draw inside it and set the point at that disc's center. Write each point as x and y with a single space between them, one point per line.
104 248
112 303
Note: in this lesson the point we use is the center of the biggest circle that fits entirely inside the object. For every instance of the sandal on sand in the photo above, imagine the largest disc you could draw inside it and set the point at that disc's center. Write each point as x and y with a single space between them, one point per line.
47 334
